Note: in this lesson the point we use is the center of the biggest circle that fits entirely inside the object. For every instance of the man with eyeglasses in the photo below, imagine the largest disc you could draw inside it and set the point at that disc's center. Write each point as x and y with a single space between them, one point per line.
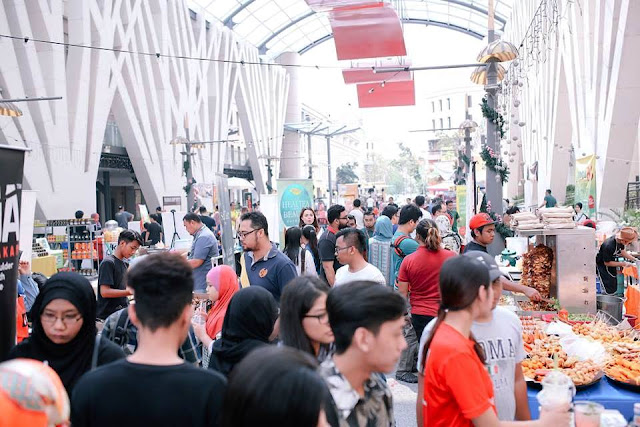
350 248
338 219
266 266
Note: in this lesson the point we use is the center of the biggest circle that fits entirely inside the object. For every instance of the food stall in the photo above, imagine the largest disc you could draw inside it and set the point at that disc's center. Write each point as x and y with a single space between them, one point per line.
568 333
568 256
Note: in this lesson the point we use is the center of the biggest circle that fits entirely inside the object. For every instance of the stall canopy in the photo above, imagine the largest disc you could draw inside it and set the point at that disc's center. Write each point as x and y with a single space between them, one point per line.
239 183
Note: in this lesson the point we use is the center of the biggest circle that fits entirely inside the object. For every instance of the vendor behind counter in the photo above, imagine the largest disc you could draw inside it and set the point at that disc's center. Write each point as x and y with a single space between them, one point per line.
610 250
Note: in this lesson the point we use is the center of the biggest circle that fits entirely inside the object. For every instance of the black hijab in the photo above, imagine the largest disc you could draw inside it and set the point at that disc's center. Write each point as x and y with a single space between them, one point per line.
247 325
73 359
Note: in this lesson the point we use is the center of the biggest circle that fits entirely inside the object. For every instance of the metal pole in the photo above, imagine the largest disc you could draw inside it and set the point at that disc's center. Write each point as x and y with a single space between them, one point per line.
475 187
309 152
329 169
467 150
42 98
187 150
493 182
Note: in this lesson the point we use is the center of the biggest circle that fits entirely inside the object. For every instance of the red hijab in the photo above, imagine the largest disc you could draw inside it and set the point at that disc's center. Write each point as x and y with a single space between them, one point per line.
225 280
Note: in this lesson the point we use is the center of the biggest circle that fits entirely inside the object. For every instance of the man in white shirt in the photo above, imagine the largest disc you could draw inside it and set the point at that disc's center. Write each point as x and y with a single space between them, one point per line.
422 203
500 336
358 214
350 248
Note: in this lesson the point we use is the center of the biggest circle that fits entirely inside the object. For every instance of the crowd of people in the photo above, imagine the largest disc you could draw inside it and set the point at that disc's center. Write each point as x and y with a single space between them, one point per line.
306 339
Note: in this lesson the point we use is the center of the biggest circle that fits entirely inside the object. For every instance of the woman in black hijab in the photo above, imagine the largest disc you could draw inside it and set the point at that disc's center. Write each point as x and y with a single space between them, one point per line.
247 325
64 329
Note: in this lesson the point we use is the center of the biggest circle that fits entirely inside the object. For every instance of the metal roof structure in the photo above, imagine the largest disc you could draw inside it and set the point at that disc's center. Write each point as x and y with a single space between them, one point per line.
277 26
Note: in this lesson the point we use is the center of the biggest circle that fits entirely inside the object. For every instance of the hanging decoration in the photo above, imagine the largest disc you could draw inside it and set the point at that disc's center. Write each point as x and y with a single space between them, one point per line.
495 164
495 117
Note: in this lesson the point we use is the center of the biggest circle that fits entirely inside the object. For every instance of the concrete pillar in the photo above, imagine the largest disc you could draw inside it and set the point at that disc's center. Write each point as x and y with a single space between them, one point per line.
291 159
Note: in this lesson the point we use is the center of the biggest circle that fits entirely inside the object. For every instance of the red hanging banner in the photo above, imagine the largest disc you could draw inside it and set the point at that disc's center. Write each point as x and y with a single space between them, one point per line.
367 32
393 94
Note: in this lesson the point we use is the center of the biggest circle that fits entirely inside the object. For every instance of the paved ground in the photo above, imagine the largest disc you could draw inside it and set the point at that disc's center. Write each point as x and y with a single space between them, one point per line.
404 401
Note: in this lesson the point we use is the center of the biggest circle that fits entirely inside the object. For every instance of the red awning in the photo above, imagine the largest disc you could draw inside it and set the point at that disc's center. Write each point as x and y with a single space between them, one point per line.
393 94
370 31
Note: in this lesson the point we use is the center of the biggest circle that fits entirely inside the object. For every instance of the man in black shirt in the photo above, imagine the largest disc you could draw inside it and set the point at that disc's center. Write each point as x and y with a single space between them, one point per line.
154 231
337 218
606 260
206 219
112 292
153 386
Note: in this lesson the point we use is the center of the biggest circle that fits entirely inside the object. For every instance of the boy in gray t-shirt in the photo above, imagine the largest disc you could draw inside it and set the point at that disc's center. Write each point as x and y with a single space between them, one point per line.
500 335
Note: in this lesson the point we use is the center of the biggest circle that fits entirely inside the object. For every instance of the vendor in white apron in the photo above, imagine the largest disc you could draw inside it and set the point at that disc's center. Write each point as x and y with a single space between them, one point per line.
606 260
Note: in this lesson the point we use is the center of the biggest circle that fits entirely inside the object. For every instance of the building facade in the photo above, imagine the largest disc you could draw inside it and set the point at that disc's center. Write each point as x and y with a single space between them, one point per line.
134 76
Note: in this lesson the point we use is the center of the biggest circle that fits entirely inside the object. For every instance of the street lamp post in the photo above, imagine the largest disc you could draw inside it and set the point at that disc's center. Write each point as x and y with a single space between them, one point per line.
188 154
496 51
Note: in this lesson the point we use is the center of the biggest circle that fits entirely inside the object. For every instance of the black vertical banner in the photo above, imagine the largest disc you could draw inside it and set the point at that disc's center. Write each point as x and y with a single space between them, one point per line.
11 168
228 243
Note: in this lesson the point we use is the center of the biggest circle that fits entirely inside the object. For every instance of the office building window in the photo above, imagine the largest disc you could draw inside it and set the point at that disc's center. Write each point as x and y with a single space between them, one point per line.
441 124
469 101
440 101
433 122
433 106
449 122
448 103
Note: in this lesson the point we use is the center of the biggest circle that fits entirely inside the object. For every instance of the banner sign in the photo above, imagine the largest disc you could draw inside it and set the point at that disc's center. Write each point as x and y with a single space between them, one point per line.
586 184
461 204
221 196
11 169
293 195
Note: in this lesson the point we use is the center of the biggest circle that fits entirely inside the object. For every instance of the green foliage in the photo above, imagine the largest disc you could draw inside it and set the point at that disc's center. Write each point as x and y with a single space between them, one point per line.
405 173
501 228
630 217
495 163
495 117
345 174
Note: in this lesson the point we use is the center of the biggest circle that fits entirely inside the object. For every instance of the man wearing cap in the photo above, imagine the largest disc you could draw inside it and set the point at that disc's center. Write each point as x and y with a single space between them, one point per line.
483 230
606 260
500 336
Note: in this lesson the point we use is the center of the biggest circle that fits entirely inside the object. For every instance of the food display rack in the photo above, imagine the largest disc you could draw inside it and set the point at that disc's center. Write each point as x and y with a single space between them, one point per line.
573 280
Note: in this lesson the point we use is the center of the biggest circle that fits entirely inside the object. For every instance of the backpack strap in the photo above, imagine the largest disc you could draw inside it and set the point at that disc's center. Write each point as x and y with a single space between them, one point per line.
396 245
96 350
119 333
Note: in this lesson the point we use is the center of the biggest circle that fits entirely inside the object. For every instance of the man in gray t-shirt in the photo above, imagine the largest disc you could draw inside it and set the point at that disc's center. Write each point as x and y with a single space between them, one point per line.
500 336
203 248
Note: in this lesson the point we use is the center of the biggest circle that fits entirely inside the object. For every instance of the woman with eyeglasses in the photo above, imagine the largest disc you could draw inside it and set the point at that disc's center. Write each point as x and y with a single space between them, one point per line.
304 323
64 330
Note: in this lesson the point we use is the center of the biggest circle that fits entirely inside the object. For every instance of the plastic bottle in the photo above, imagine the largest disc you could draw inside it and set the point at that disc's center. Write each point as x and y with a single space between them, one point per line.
635 422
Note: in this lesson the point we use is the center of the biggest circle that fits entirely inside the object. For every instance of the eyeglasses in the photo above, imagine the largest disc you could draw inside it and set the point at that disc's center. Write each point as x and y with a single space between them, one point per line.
322 318
341 249
67 320
242 235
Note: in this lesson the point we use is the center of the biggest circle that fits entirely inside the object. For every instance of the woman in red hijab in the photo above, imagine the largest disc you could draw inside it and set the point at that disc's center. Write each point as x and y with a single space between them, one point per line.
222 283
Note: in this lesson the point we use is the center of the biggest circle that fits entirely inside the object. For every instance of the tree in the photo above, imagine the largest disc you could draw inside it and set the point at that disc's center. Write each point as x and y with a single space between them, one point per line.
345 174
405 173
